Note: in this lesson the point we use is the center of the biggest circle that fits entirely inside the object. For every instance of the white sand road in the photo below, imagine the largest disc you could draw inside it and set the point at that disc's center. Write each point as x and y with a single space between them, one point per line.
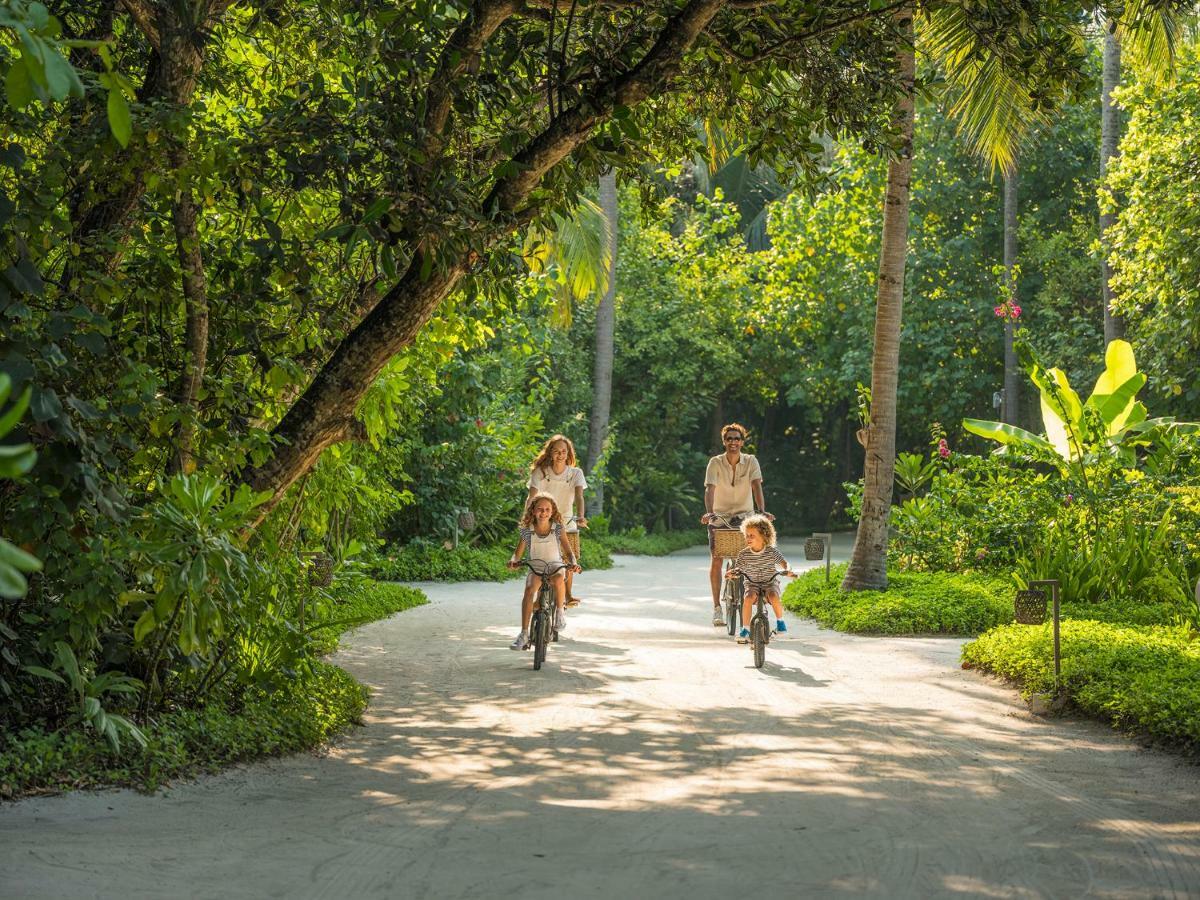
647 759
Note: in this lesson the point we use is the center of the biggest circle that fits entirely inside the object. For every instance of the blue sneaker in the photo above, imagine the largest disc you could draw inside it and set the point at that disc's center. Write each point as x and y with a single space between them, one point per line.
744 636
780 626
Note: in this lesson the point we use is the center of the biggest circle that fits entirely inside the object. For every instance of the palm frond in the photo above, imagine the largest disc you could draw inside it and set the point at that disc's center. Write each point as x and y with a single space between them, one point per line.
992 97
574 253
1150 33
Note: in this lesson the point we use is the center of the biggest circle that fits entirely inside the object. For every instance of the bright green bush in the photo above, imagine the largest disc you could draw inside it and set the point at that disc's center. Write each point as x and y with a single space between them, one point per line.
361 602
638 542
422 561
301 713
914 603
1145 679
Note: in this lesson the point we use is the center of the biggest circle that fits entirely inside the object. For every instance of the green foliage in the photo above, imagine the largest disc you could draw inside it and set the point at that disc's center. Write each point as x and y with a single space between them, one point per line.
358 603
15 460
298 714
914 603
637 542
1141 679
1152 188
424 561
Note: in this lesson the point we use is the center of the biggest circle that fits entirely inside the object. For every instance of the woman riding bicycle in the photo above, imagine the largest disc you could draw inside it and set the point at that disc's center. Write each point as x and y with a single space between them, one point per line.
732 489
555 473
542 532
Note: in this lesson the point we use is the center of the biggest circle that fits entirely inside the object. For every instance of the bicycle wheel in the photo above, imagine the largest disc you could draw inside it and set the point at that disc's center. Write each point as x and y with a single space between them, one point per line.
758 639
733 604
537 633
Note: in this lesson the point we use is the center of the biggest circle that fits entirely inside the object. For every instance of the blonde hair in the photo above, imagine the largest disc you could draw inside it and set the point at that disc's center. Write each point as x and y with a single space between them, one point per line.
543 458
527 519
762 525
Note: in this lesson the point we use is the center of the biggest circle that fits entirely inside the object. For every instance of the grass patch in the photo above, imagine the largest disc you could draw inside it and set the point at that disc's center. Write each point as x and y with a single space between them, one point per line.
1144 679
641 543
317 701
420 561
914 603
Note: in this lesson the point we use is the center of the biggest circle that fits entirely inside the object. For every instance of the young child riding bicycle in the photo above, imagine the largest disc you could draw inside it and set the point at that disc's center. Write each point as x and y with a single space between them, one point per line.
759 562
543 534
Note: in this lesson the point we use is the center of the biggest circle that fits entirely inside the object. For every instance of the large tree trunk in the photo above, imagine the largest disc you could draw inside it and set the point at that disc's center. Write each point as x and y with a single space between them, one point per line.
602 367
1110 138
1011 410
868 560
324 413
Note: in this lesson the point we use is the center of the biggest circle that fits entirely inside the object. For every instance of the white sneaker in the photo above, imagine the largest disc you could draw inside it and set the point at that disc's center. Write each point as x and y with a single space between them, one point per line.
560 620
521 643
718 619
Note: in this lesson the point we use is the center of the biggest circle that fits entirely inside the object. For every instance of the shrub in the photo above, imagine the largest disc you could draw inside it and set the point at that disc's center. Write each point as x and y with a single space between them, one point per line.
423 561
638 542
301 713
914 603
1145 679
361 602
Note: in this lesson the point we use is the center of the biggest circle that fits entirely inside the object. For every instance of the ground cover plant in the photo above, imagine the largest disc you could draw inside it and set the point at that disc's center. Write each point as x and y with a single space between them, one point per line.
1144 679
427 561
914 603
314 702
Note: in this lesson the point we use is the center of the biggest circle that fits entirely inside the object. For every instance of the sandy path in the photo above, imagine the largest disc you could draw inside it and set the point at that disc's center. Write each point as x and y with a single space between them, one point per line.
647 759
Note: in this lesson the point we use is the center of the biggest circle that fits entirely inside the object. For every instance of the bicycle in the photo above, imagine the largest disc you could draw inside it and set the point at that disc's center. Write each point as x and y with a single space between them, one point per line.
727 543
760 625
541 625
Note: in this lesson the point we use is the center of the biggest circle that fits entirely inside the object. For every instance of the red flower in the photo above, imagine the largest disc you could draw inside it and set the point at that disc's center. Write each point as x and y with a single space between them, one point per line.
943 448
479 423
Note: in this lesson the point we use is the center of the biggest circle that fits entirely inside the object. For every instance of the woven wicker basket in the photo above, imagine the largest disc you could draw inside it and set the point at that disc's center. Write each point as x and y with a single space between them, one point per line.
1029 607
728 542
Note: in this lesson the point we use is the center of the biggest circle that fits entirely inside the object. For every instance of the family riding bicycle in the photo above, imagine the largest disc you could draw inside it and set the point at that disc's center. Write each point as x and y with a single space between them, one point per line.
739 539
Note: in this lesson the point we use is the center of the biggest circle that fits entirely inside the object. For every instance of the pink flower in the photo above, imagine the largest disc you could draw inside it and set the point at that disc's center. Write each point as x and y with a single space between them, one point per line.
1016 312
999 311
1070 498
943 449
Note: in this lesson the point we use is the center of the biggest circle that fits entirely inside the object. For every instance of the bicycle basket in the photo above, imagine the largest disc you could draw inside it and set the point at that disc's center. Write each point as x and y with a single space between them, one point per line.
728 542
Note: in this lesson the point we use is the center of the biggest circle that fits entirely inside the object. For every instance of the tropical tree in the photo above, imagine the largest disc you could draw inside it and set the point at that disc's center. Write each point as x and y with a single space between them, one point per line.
602 366
1006 81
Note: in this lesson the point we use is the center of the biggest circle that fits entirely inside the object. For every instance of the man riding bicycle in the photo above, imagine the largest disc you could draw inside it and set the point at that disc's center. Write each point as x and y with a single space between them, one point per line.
732 488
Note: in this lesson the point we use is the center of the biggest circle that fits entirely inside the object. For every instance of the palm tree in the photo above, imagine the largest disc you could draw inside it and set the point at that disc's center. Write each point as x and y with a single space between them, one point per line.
1110 136
996 107
602 365
868 560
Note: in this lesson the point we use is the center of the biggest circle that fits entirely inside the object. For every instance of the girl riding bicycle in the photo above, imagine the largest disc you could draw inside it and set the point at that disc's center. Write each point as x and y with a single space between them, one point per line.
542 533
759 561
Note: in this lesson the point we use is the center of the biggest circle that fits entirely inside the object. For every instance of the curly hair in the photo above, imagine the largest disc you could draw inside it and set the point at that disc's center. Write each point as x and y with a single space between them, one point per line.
762 525
543 458
527 519
734 426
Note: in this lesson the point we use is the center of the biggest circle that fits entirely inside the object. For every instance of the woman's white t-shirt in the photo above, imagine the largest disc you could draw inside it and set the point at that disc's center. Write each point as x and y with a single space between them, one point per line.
560 487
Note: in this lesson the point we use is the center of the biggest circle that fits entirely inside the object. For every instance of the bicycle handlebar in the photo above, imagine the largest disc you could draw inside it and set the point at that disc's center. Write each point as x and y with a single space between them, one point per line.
762 584
547 568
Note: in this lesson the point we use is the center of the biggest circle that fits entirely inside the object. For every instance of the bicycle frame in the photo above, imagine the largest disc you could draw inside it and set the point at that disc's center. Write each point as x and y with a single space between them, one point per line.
541 624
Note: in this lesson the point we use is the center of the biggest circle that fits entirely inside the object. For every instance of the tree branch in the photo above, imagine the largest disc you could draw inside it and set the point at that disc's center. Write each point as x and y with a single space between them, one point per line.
145 16
802 36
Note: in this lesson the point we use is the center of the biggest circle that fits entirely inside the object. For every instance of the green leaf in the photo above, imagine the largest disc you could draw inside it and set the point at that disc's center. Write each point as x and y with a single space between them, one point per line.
1115 408
145 625
60 77
12 583
9 420
118 117
1007 434
41 672
18 558
18 86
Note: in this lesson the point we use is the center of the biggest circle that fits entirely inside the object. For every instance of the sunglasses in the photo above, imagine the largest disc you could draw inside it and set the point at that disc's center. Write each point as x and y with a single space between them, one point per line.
733 437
